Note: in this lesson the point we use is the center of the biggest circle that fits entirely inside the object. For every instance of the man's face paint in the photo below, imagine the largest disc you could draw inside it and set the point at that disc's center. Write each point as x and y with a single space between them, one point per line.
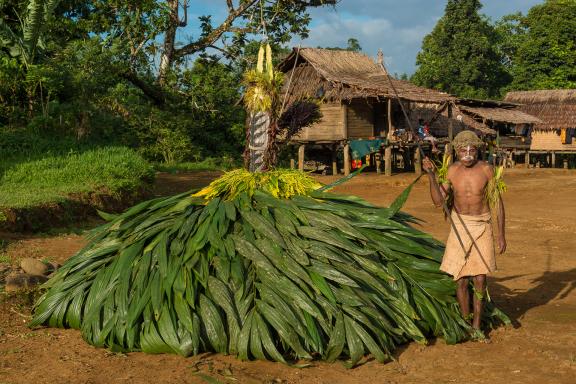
467 154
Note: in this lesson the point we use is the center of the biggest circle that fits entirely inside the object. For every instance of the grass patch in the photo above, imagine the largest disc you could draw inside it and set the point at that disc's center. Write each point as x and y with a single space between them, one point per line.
208 164
4 258
57 176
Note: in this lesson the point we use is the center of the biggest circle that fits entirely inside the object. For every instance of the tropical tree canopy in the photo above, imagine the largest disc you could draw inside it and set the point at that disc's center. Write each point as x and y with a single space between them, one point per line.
460 55
541 46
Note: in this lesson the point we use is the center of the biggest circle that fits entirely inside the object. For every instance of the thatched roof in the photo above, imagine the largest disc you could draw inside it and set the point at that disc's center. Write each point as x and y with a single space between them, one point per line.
556 108
440 120
344 75
512 116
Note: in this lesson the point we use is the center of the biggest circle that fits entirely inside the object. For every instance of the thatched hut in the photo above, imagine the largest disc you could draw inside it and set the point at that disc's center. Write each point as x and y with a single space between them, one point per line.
359 100
557 111
348 81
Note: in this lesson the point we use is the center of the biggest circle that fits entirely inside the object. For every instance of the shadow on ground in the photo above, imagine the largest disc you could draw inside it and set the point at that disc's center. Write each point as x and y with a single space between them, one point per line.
549 286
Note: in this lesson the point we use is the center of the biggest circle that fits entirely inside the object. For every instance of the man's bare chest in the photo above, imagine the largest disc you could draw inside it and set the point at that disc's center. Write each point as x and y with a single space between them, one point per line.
469 182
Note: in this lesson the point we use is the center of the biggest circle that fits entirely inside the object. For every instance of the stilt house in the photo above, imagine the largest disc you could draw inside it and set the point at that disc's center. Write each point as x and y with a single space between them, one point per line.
556 110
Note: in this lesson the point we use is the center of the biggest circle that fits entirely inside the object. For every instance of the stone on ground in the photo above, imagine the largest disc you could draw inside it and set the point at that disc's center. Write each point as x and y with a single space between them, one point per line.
33 266
21 281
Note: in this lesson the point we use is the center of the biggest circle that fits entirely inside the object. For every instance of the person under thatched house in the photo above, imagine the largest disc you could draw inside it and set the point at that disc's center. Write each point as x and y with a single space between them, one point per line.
469 250
425 135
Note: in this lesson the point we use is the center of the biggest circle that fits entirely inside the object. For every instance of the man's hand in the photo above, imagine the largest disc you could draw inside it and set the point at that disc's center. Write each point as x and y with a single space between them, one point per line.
501 244
428 165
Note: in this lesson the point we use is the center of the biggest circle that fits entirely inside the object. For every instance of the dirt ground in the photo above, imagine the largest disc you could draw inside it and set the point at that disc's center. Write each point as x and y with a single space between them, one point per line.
535 285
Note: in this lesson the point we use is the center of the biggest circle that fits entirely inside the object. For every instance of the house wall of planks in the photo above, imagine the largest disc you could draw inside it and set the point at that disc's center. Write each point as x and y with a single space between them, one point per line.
549 140
332 127
359 119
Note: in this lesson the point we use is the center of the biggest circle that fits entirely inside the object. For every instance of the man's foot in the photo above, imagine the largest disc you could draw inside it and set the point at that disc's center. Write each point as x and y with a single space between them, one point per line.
478 336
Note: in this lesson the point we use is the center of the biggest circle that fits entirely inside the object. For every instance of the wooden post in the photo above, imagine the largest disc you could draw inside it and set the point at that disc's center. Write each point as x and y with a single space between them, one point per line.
565 163
292 163
346 159
450 130
553 159
417 162
334 160
301 150
388 150
527 159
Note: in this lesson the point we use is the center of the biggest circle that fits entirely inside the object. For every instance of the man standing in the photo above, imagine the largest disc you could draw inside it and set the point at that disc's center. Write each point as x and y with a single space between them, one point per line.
469 249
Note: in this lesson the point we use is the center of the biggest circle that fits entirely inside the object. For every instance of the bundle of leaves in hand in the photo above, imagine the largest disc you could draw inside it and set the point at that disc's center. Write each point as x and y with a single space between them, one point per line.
442 173
310 275
299 115
442 178
496 187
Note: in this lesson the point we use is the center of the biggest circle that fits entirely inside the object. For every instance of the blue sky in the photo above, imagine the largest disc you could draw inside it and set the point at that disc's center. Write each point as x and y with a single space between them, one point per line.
396 26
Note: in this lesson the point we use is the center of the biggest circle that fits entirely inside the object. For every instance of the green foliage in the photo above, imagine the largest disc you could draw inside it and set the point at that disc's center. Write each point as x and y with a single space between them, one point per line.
541 46
459 56
53 178
86 69
216 114
353 45
496 187
257 277
24 46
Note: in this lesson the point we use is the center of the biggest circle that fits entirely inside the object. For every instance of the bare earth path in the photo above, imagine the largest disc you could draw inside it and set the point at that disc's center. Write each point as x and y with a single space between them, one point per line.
535 284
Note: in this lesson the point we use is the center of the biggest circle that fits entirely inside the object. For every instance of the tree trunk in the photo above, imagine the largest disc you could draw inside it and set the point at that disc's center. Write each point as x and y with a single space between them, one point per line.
167 56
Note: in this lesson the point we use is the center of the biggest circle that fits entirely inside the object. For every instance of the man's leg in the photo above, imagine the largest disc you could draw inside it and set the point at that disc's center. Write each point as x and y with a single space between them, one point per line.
463 297
479 294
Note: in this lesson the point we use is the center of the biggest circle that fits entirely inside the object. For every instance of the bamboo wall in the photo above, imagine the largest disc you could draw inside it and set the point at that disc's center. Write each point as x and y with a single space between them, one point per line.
549 140
330 128
360 119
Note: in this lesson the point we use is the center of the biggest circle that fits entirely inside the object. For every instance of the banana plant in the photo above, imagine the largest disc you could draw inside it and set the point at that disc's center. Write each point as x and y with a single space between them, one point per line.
25 46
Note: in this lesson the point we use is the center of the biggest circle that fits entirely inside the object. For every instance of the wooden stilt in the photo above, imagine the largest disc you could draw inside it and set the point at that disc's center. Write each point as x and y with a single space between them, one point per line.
450 131
292 163
388 160
334 161
553 159
527 159
388 150
301 151
346 159
417 162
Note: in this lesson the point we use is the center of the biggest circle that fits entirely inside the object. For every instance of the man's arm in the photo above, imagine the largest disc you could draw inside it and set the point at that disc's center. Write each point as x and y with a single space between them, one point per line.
437 192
